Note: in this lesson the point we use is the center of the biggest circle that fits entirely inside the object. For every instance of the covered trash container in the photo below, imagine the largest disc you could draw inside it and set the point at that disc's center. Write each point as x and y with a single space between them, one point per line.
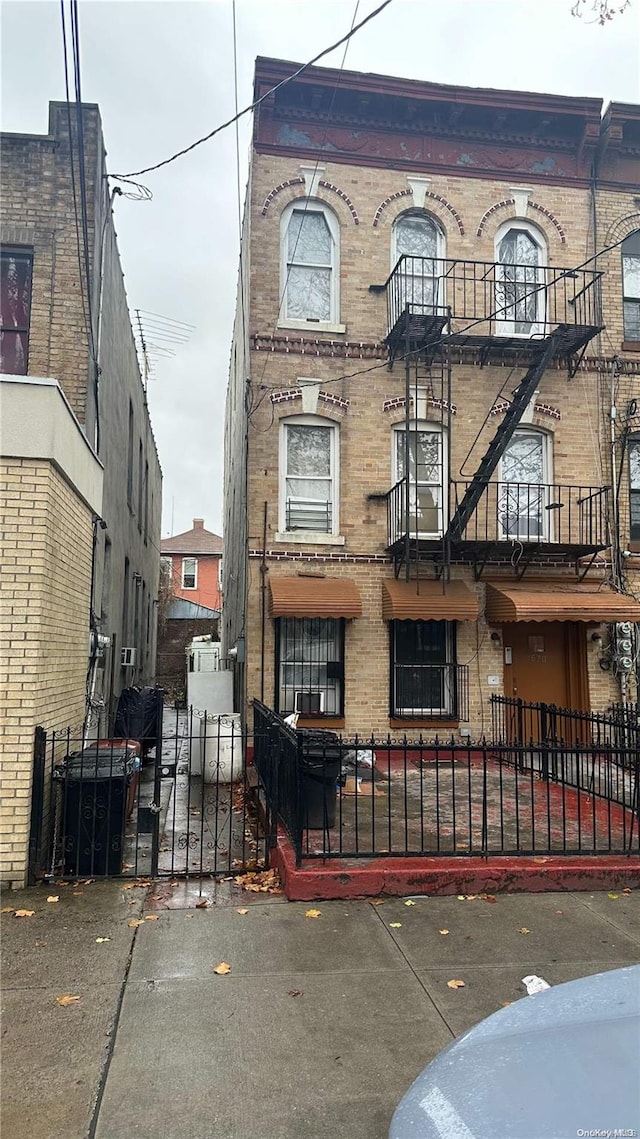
96 786
320 758
137 716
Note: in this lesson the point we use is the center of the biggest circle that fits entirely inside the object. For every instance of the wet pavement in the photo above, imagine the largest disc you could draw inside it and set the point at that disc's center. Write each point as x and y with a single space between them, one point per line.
326 1014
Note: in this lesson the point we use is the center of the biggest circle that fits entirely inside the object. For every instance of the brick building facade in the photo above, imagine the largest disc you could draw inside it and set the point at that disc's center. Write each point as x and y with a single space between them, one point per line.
436 507
81 490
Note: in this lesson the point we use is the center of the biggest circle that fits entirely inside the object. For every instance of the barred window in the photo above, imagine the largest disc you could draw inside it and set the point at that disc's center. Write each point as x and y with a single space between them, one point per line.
310 666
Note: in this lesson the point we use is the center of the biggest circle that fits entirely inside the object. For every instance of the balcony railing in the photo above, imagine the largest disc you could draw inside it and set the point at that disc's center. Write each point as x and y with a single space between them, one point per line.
490 299
540 514
430 691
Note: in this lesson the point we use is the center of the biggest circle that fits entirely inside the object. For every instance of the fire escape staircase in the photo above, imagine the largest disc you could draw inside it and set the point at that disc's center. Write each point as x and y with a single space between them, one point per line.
521 400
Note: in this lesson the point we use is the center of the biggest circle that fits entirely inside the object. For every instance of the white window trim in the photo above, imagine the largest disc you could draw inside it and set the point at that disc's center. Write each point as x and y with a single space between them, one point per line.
504 327
312 537
313 205
425 425
189 558
416 212
548 528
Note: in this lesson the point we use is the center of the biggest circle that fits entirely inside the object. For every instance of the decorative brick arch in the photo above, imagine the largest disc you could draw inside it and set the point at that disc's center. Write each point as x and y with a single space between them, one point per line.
622 228
322 184
408 193
507 202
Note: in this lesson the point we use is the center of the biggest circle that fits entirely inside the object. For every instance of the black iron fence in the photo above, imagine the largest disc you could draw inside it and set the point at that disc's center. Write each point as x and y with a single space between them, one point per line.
499 299
190 805
364 797
544 514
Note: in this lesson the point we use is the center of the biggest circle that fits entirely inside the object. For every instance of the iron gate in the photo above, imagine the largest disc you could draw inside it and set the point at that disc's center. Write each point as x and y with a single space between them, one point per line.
187 803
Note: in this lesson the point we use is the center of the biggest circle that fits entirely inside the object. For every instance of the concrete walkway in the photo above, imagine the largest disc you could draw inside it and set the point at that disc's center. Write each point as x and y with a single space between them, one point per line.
316 1031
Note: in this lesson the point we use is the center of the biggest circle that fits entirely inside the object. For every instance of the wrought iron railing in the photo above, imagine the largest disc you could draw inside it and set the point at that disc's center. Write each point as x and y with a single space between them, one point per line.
373 796
538 513
497 299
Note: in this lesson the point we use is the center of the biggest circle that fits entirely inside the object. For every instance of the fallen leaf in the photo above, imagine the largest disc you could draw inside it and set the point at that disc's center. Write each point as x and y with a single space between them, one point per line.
444 932
187 916
614 896
78 893
135 921
128 886
54 898
202 904
151 917
243 912
455 984
461 897
489 898
559 911
25 913
395 924
88 881
67 999
312 914
101 940
7 910
627 890
472 897
540 860
524 929
409 902
377 901
222 969
505 1004
295 992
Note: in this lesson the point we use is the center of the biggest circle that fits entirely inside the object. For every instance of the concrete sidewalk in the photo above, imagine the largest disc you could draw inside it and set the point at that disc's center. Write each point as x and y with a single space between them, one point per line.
315 1033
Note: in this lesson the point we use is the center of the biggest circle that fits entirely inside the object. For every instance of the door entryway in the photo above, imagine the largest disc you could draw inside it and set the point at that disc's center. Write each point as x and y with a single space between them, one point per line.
545 662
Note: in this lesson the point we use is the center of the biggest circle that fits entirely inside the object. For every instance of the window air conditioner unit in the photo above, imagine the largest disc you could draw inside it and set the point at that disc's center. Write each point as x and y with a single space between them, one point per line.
128 657
308 703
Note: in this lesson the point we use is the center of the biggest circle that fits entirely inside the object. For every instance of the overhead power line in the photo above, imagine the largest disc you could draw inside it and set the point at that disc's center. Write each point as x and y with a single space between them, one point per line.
252 106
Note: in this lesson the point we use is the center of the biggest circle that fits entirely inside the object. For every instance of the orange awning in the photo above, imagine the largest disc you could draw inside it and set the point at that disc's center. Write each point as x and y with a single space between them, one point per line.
313 597
428 601
558 601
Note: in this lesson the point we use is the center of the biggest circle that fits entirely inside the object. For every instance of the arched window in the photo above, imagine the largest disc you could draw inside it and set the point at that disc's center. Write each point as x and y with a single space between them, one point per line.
419 241
310 263
631 285
525 492
309 474
423 453
520 280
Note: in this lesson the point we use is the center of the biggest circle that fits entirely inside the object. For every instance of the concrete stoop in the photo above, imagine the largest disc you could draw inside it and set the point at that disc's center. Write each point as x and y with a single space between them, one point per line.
322 880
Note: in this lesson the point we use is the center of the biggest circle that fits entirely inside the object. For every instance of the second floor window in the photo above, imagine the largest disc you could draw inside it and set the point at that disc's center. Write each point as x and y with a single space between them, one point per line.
189 573
309 475
15 310
524 490
634 489
631 285
310 263
423 454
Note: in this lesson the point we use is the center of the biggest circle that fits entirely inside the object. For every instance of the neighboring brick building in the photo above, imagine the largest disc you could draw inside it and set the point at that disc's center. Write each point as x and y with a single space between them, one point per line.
193 561
81 489
413 286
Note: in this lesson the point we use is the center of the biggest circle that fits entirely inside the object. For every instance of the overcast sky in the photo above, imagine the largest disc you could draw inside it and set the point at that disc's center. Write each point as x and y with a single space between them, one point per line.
162 73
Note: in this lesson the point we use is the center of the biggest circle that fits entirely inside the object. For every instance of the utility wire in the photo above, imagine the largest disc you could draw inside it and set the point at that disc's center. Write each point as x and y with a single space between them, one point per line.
252 106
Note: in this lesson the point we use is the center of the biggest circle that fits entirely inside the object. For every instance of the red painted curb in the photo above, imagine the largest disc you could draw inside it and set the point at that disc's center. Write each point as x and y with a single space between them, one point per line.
348 878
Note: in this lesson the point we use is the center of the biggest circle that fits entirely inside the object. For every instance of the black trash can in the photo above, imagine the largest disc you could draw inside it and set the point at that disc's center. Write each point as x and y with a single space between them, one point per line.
94 790
320 759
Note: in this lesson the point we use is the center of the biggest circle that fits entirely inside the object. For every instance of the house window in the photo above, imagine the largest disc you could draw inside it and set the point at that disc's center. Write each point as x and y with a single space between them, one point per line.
189 573
310 666
308 465
520 294
15 308
420 243
423 669
524 492
631 285
634 489
425 453
166 567
310 263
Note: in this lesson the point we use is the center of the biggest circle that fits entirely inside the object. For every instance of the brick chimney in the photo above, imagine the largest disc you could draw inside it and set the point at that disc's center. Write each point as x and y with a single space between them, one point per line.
198 523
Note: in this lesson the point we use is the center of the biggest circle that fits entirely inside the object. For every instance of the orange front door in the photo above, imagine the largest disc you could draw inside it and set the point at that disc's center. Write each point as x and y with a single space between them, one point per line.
544 662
